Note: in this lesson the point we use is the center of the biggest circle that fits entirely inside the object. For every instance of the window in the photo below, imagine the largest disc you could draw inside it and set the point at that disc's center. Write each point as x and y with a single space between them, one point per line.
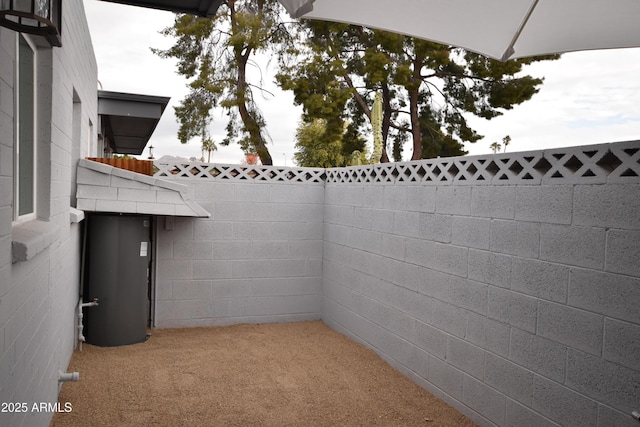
25 126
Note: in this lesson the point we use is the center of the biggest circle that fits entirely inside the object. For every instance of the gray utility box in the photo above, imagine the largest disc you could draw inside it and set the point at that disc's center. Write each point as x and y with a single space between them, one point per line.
117 264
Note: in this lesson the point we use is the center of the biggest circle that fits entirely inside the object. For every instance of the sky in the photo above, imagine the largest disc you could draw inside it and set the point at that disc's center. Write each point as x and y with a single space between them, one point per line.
587 97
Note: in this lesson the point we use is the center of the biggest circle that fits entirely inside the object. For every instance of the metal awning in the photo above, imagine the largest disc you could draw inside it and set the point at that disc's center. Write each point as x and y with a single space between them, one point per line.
206 8
128 120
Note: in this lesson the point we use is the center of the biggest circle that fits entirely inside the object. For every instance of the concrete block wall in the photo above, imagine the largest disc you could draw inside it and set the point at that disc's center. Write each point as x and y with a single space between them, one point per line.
104 188
508 285
257 259
39 289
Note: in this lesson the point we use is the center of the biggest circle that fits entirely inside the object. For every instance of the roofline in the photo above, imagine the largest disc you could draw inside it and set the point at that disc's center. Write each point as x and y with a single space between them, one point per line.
134 97
206 8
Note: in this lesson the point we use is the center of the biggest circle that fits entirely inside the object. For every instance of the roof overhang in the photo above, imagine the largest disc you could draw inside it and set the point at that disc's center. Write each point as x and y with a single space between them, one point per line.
128 120
206 8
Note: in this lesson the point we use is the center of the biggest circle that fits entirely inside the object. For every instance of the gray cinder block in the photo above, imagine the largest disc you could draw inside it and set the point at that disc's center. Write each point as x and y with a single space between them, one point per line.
613 295
392 246
471 232
191 289
580 246
421 198
406 223
563 405
220 192
622 343
515 238
192 250
604 381
538 354
623 252
546 203
206 269
449 318
115 206
438 256
174 269
615 206
438 228
382 220
120 182
488 334
364 218
215 230
493 202
446 377
575 328
521 416
431 340
469 294
154 208
394 197
93 177
540 279
169 197
466 357
454 200
251 192
610 417
512 308
97 192
491 268
136 195
508 378
485 400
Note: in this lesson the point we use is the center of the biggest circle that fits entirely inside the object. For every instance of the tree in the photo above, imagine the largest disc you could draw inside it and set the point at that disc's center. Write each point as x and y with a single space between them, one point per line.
427 88
506 141
214 54
314 150
495 146
208 145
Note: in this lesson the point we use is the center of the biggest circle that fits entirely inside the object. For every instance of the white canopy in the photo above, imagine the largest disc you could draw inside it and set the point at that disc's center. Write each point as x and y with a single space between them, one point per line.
500 29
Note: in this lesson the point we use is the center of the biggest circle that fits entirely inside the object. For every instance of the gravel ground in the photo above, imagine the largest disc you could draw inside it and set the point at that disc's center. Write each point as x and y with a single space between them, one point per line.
285 374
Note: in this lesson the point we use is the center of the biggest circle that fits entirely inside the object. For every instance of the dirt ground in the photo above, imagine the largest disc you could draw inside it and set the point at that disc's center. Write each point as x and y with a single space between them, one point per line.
245 375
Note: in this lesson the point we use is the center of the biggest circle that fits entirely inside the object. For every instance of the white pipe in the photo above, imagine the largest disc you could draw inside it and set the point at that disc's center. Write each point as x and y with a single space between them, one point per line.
82 305
68 376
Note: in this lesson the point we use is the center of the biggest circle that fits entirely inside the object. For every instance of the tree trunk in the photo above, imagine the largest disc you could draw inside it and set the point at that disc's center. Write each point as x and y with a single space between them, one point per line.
415 125
414 109
250 123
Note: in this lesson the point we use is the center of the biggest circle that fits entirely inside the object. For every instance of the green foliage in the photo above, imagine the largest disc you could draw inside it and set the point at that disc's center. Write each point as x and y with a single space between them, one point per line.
427 88
209 146
214 54
496 146
313 149
334 71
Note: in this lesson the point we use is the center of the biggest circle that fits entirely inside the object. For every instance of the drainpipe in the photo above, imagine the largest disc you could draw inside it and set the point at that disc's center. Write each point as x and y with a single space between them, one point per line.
82 305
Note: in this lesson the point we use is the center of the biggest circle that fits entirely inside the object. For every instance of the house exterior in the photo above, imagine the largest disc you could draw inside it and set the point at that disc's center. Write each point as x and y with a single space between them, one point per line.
48 120
51 116
507 285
